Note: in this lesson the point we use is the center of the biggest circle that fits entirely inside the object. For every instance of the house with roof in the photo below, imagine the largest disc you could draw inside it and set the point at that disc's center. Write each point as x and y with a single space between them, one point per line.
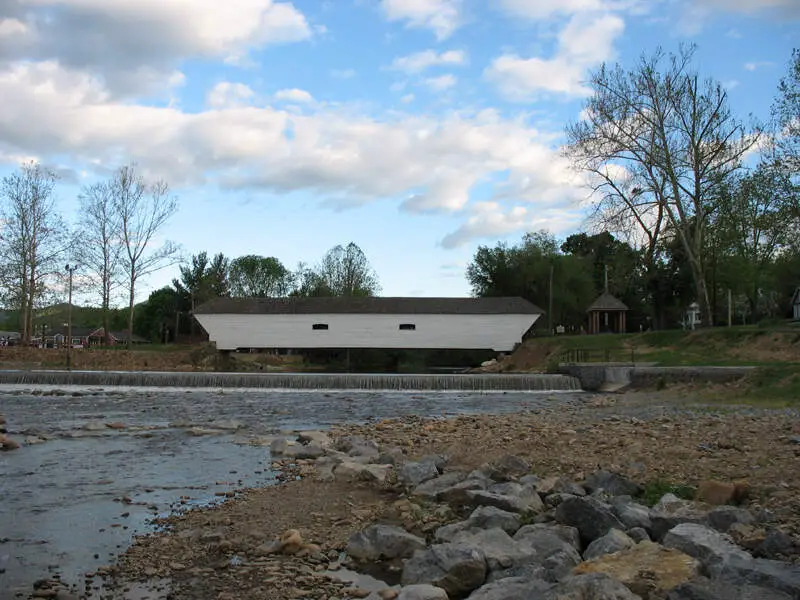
366 322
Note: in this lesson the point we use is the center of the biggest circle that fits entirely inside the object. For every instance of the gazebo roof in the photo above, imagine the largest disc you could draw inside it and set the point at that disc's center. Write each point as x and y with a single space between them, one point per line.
606 303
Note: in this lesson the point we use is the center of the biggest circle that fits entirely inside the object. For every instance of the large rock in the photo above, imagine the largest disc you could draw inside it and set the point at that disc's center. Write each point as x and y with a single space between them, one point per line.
320 438
487 517
589 516
593 586
646 569
307 451
498 548
703 543
554 555
508 468
483 517
566 533
511 588
631 513
773 574
559 485
456 568
358 446
354 471
722 518
612 483
529 503
433 487
414 473
422 591
378 542
671 511
706 589
614 541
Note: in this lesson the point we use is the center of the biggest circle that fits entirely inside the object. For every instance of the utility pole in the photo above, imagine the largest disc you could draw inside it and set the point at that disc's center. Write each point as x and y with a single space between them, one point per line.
550 307
70 270
730 309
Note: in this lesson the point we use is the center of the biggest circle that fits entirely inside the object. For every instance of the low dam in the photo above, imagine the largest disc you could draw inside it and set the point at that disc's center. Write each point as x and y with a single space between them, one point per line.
528 382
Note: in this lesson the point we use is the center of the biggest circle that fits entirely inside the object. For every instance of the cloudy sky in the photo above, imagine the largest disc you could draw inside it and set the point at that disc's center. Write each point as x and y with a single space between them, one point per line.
418 129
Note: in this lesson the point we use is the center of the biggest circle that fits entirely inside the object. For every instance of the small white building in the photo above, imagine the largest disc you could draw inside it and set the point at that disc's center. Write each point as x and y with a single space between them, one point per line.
388 323
796 305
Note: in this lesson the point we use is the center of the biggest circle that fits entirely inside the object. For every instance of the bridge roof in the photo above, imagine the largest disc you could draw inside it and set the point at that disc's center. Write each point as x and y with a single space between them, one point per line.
370 305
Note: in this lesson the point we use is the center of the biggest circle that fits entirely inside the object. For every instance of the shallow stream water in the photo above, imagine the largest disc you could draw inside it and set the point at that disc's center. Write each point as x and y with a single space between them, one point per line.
72 502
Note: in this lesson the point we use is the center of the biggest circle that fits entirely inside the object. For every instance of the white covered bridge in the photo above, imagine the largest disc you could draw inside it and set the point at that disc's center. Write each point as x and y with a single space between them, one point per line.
387 323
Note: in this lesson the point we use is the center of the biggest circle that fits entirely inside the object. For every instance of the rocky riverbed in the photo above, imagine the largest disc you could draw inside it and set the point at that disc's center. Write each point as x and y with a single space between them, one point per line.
642 496
86 469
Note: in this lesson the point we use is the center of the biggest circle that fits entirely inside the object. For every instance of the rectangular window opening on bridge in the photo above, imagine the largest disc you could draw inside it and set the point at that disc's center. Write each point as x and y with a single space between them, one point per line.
319 326
407 327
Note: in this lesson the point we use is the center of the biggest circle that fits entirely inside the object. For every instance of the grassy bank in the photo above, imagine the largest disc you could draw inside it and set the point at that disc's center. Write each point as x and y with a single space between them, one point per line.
775 351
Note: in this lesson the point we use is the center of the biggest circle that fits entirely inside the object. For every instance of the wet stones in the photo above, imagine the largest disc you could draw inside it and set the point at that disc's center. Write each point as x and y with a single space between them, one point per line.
7 444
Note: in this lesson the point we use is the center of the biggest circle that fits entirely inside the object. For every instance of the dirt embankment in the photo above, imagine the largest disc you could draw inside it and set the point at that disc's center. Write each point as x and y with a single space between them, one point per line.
181 358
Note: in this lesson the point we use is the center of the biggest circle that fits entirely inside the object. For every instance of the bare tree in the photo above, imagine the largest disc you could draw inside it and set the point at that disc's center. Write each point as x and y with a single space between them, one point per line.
32 240
143 209
346 271
101 249
659 143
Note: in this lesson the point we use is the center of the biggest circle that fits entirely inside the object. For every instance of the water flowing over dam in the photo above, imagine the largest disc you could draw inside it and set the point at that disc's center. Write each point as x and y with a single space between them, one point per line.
533 382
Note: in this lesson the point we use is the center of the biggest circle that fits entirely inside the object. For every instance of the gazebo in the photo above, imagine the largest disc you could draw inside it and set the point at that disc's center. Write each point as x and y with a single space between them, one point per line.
607 314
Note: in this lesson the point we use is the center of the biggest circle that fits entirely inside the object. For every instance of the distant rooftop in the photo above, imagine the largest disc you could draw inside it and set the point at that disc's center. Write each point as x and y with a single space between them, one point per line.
607 302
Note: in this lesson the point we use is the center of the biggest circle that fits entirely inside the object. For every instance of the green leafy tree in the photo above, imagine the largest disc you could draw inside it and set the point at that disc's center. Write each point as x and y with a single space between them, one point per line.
254 276
525 270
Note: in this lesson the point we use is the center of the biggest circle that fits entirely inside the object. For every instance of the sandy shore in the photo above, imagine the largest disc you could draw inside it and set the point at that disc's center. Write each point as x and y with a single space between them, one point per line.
217 553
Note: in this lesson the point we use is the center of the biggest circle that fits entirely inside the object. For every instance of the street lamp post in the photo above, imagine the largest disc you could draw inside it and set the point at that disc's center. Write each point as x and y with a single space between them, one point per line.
70 270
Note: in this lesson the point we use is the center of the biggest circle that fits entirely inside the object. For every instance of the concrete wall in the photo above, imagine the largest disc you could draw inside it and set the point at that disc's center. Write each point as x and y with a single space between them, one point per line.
494 332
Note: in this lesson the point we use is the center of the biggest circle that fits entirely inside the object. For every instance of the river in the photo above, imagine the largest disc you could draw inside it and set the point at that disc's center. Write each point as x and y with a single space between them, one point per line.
73 496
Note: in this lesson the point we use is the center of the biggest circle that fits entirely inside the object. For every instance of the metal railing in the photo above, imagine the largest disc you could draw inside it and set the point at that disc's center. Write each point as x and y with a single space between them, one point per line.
598 355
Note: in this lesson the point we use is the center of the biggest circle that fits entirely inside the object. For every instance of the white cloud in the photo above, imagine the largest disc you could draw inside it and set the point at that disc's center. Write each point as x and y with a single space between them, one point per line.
731 84
294 95
419 61
407 99
433 163
492 220
585 42
752 66
120 39
228 95
443 17
12 27
441 83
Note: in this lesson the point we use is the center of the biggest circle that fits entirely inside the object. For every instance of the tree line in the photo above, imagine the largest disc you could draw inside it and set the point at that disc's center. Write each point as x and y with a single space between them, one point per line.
344 270
690 203
112 246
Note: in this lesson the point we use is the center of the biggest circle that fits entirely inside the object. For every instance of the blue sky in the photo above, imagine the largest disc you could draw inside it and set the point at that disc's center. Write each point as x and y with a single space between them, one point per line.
418 129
